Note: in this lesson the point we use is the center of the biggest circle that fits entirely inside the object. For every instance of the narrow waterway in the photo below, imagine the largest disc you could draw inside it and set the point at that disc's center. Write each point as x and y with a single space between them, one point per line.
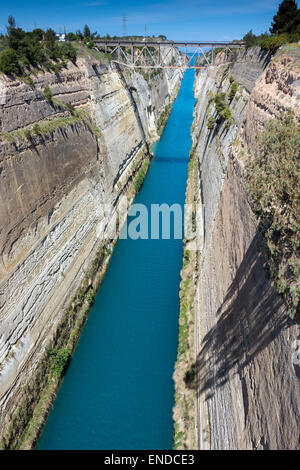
118 392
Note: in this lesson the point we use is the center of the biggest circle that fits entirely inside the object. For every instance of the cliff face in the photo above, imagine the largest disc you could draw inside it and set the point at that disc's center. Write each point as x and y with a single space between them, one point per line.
243 364
63 170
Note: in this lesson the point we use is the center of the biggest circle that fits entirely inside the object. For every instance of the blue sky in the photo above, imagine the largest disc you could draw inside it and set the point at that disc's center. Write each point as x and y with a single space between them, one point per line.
177 19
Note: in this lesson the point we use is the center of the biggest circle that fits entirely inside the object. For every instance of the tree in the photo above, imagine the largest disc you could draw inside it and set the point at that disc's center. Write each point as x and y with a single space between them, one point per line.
71 37
79 34
11 23
250 39
50 38
9 62
15 38
37 34
287 18
86 32
50 35
22 50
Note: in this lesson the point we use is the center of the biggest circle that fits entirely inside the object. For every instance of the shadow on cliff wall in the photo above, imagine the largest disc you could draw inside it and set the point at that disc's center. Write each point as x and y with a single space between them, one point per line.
250 317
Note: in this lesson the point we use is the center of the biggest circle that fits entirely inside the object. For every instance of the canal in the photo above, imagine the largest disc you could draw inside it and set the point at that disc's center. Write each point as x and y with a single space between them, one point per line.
118 391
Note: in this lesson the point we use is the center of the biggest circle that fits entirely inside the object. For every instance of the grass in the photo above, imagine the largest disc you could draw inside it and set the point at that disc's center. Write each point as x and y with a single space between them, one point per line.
141 176
184 409
44 127
82 51
163 117
183 316
178 438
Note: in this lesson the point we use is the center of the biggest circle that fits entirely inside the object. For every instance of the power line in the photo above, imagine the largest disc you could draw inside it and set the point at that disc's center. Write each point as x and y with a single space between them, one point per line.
124 21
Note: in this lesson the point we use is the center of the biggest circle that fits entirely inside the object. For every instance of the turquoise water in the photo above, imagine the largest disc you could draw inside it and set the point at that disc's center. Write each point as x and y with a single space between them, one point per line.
118 391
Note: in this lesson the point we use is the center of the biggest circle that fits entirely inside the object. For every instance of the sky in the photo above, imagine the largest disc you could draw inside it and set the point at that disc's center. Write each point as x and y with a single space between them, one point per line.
217 20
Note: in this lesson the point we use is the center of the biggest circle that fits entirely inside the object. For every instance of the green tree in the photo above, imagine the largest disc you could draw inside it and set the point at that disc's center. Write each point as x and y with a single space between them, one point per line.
23 50
79 35
86 32
37 34
50 42
67 51
9 62
11 23
250 39
50 36
71 36
287 18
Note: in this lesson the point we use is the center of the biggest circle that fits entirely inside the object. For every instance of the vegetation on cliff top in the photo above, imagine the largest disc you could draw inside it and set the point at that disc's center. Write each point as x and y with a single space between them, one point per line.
285 28
274 181
21 51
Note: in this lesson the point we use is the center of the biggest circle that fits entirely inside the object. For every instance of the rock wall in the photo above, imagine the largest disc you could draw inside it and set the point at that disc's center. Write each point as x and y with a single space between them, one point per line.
243 370
65 164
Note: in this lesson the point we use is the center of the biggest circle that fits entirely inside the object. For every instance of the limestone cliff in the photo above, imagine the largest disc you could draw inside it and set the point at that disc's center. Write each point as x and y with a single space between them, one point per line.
66 158
237 383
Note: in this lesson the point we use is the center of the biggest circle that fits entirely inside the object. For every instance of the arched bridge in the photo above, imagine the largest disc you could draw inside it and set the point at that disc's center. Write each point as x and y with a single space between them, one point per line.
154 54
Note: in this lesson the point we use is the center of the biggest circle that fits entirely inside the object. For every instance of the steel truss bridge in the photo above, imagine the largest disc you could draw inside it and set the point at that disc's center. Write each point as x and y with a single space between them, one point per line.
165 54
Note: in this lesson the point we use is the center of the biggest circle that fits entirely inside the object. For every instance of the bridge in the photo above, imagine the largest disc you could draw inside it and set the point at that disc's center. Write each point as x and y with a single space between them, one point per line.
155 54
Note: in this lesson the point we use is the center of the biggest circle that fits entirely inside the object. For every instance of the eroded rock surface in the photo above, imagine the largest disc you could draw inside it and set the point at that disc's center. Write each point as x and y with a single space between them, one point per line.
246 375
59 194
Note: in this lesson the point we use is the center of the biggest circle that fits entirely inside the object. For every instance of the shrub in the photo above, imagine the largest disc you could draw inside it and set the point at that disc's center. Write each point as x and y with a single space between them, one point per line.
90 297
186 258
59 360
222 107
141 176
274 181
220 102
233 90
211 122
48 94
271 44
27 134
37 130
71 108
229 123
67 51
226 114
9 62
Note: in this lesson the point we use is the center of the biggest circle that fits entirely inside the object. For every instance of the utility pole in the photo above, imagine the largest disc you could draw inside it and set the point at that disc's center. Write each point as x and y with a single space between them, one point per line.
124 25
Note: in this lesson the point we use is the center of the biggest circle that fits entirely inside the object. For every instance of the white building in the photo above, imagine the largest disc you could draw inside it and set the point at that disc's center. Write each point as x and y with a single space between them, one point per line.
61 37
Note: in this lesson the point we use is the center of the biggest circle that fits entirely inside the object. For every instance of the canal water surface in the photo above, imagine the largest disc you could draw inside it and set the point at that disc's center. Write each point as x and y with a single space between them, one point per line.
118 392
